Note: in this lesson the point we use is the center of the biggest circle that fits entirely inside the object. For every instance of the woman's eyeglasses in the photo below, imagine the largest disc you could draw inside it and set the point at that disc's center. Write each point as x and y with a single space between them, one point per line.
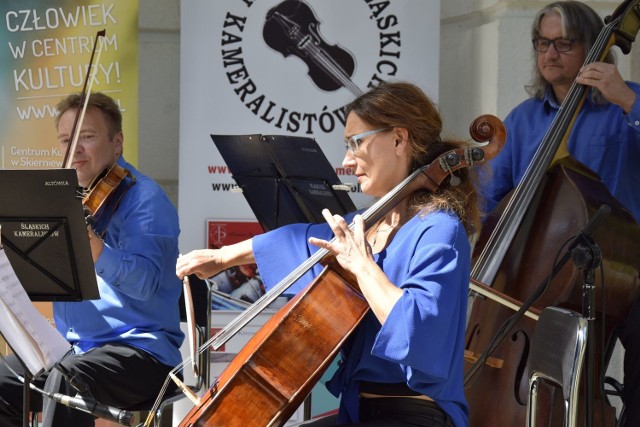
352 144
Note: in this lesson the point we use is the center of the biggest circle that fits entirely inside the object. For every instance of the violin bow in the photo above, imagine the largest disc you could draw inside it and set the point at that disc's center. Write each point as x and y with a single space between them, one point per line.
84 100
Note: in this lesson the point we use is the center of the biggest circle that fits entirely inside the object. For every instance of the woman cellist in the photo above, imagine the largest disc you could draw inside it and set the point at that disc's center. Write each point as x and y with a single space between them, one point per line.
605 136
403 365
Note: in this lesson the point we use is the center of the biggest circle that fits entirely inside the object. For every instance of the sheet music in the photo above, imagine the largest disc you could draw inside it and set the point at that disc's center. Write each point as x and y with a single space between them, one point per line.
34 340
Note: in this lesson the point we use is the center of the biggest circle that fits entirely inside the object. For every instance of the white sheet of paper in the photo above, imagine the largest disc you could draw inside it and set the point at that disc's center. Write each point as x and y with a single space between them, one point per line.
32 338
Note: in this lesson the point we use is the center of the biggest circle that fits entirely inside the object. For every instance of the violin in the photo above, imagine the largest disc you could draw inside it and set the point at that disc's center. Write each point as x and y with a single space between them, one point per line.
109 179
102 187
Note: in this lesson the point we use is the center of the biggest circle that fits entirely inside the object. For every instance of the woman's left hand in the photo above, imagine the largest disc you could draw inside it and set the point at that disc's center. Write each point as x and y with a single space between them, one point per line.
354 254
350 247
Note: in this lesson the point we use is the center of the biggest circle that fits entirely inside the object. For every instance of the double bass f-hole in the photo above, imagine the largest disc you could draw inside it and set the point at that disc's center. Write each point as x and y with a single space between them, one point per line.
291 28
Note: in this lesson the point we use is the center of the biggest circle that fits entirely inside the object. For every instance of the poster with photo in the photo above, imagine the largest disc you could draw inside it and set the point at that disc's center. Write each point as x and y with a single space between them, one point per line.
241 283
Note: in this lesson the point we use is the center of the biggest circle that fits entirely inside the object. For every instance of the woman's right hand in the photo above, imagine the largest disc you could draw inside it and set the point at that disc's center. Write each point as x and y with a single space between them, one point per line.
203 263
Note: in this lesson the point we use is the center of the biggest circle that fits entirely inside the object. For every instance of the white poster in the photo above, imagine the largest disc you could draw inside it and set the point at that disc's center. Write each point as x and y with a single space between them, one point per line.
276 67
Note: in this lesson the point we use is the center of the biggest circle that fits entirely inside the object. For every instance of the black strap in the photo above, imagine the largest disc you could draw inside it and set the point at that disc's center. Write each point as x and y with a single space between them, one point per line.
387 389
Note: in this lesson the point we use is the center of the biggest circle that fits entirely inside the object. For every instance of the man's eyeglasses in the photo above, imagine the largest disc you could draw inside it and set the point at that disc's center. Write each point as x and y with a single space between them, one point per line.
352 144
561 45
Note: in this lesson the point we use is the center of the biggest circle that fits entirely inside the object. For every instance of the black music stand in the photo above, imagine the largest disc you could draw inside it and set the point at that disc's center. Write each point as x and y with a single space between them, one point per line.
44 235
285 179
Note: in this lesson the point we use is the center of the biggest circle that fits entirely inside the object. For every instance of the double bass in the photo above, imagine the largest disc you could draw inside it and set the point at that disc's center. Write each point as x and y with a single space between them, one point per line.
519 247
278 367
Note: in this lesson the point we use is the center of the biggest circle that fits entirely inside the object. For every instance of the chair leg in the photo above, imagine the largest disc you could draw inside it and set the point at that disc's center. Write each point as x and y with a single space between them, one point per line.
532 402
164 416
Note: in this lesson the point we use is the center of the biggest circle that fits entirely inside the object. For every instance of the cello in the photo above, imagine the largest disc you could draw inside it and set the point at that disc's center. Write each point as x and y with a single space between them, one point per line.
313 325
518 246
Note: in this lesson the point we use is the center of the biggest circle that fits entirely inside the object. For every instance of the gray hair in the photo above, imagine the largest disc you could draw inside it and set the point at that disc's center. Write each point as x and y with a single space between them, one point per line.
579 22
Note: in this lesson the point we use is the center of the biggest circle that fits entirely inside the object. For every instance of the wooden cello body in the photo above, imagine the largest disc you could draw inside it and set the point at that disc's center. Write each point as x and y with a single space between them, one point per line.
275 371
519 247
273 374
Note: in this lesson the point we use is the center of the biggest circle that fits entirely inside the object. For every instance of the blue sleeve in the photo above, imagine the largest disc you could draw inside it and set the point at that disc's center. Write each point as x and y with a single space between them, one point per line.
633 117
143 241
434 293
280 251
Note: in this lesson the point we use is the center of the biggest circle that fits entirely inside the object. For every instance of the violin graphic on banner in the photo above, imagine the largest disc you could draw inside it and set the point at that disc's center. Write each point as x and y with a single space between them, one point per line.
292 28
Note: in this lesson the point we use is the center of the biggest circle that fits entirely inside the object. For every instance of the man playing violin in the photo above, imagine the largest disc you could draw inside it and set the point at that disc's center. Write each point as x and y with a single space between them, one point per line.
605 137
126 342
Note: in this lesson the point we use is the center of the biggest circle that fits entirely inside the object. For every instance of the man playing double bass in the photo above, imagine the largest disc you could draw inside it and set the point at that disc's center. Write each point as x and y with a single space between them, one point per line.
605 136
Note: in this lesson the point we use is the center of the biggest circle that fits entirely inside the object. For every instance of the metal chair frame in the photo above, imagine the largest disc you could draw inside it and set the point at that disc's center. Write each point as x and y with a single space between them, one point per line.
203 379
557 356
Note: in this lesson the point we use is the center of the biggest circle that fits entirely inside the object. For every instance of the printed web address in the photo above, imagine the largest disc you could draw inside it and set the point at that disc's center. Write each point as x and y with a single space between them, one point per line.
227 186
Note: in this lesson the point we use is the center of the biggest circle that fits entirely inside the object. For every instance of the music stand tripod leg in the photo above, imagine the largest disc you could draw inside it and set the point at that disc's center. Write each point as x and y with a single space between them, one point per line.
26 390
26 399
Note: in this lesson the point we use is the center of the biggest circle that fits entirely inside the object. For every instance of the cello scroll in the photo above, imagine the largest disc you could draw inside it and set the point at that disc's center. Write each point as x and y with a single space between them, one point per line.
489 128
485 128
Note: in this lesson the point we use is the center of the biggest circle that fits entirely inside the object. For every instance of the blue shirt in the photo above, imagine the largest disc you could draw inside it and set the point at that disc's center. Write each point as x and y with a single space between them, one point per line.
139 290
421 343
603 138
